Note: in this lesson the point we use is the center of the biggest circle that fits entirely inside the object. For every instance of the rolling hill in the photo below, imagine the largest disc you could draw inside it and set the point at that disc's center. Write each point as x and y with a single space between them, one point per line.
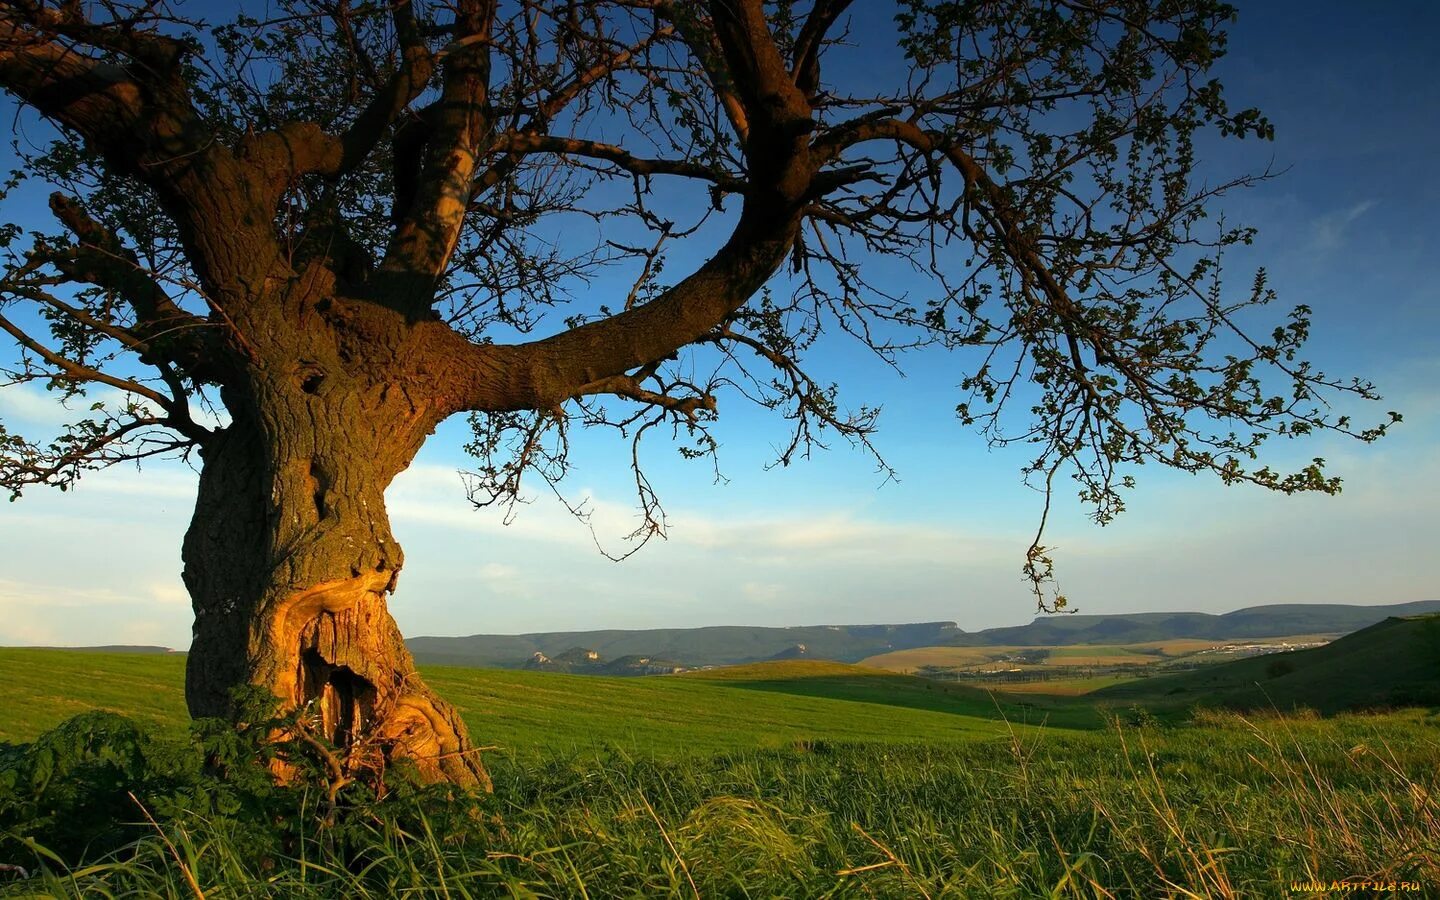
764 705
1395 662
731 645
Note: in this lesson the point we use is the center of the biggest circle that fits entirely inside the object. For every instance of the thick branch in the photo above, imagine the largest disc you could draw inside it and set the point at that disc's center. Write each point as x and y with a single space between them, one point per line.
778 113
416 67
806 55
141 120
543 374
99 100
427 232
156 52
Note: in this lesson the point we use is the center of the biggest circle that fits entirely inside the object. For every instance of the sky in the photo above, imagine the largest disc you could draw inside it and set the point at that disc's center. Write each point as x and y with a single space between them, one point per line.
1352 228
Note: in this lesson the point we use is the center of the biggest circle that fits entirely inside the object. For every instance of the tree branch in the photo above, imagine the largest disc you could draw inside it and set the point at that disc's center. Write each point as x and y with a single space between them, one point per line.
101 259
543 374
426 233
413 73
525 142
141 120
631 388
805 69
77 372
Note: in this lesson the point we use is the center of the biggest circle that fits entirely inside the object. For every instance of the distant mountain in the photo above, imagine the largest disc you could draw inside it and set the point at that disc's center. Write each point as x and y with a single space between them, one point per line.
1395 662
694 647
797 651
729 645
583 661
1278 620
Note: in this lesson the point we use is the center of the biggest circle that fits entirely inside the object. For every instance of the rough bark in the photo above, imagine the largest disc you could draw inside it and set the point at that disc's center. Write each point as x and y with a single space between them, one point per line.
289 558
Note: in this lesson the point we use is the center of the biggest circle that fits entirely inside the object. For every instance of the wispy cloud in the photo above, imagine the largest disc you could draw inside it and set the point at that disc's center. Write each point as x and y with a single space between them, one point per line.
1184 545
1330 229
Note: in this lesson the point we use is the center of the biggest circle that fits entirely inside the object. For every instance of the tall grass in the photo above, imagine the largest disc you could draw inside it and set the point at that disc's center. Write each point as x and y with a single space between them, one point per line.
1225 807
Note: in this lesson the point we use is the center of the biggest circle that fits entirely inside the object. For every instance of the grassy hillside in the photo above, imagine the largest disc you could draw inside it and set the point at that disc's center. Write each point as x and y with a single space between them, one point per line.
772 704
767 705
943 661
859 684
999 657
1393 663
1252 622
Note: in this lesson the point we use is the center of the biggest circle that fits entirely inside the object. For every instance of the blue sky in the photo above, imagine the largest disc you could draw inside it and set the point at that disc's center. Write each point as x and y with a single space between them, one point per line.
1352 228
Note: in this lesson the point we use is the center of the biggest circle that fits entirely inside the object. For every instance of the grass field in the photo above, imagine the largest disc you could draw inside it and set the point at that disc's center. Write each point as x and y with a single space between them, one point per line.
799 779
1065 687
43 688
746 707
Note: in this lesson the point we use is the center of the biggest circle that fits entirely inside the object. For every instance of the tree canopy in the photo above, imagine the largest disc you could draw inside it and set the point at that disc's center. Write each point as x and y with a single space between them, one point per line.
298 215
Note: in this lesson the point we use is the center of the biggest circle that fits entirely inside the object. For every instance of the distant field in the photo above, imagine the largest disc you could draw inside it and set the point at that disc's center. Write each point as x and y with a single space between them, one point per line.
1100 656
1041 658
920 657
1065 687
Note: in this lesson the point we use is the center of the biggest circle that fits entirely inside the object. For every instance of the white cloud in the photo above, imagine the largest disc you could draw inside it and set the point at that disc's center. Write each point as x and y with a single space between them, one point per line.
21 629
32 406
36 408
14 594
168 593
172 480
768 593
1329 229
434 496
34 612
498 572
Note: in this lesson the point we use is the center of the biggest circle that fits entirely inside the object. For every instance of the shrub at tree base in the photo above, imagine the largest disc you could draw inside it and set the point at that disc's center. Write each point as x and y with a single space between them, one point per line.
99 783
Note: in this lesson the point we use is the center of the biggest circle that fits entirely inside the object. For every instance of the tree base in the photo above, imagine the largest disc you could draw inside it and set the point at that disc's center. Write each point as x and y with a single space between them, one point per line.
333 653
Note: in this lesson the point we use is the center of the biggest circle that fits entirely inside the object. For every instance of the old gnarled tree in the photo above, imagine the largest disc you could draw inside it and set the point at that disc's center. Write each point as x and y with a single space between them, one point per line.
339 224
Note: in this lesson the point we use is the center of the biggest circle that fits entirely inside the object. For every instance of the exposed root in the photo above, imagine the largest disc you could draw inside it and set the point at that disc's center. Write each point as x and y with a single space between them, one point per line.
334 652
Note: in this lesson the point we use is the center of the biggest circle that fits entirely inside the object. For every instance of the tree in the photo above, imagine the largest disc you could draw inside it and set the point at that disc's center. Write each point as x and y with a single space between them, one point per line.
339 224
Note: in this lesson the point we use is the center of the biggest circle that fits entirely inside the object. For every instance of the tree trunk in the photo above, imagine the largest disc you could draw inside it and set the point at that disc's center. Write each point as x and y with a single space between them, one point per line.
289 559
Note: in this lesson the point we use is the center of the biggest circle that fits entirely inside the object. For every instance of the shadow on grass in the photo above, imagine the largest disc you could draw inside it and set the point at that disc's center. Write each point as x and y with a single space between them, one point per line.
933 696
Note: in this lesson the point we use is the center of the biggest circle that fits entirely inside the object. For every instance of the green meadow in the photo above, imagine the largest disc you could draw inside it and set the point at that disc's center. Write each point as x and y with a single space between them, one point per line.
792 779
536 713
